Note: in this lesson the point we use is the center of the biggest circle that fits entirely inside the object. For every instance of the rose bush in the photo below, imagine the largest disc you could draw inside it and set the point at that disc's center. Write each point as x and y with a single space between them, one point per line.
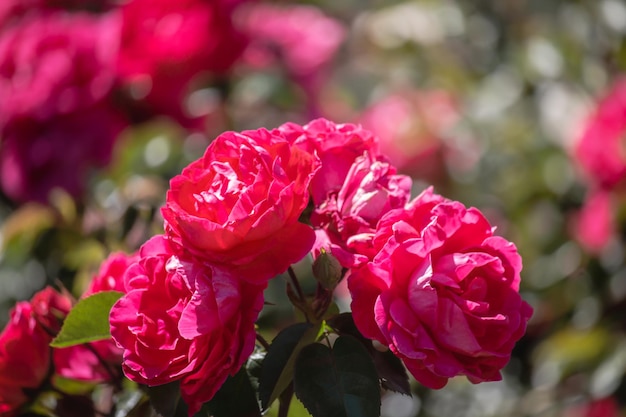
441 292
238 205
183 320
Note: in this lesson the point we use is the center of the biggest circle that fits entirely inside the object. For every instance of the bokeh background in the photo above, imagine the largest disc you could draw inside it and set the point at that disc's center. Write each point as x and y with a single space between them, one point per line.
516 107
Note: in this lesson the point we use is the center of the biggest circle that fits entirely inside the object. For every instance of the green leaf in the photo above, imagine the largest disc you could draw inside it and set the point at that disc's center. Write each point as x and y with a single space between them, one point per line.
236 398
337 382
391 371
277 369
88 320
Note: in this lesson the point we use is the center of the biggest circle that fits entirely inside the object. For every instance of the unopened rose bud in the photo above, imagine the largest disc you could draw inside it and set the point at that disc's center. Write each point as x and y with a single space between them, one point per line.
327 270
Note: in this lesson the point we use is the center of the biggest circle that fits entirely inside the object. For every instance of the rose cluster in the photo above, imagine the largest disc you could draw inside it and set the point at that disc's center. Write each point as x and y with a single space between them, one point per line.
428 277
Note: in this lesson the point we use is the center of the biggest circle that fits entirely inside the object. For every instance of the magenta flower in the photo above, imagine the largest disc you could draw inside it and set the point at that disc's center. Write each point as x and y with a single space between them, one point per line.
442 292
349 217
184 320
238 206
336 145
600 149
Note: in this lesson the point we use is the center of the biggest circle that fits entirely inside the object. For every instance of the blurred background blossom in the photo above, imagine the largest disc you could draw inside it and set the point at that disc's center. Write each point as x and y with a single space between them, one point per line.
515 107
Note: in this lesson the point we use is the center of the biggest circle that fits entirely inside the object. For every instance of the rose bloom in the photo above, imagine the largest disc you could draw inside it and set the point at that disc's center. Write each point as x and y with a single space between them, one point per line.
600 148
239 204
56 124
349 217
336 145
442 292
183 320
412 128
165 44
101 360
24 346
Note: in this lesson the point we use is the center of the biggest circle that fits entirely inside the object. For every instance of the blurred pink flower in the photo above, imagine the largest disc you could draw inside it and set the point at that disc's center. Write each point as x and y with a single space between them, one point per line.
595 224
56 64
39 156
412 128
301 38
601 153
165 44
601 150
56 74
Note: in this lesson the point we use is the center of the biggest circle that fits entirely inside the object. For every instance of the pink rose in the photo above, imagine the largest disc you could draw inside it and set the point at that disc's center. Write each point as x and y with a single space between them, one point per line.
600 149
336 145
349 217
238 206
183 320
24 346
101 360
165 44
442 292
